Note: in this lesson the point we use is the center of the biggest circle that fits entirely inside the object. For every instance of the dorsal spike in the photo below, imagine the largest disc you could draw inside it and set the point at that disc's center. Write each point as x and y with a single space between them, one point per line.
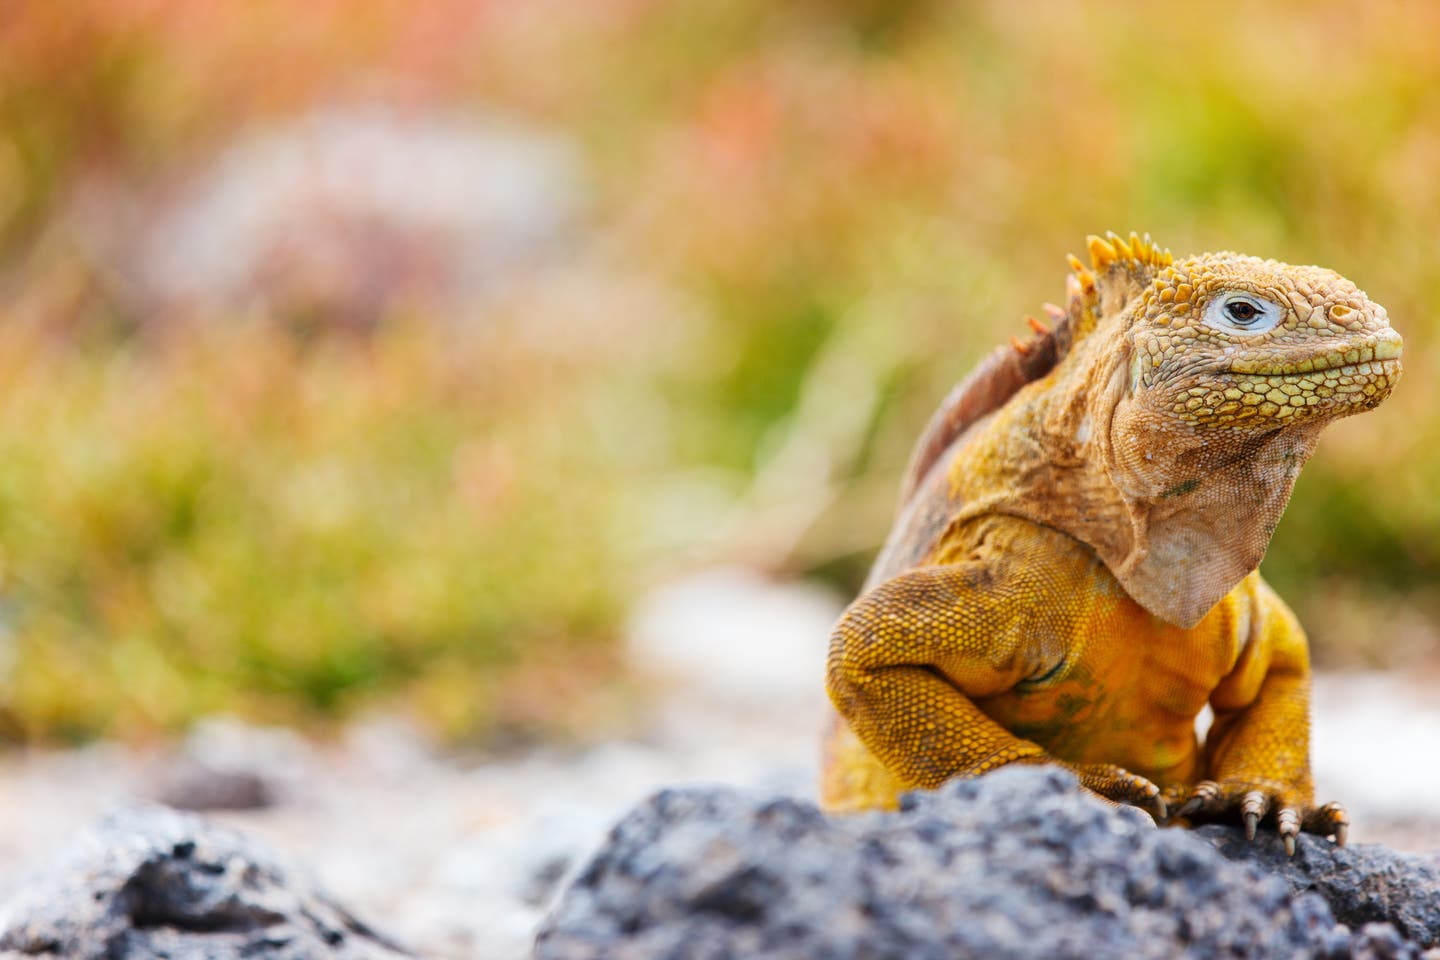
1084 279
1102 254
1113 250
1122 249
1118 265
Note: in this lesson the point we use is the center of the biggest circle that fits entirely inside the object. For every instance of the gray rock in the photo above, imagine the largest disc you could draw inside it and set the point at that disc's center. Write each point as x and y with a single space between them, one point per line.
225 764
1363 884
1015 864
151 882
199 786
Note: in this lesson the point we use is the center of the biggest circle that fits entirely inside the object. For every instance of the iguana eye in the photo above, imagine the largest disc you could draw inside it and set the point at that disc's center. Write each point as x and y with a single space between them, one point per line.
1242 313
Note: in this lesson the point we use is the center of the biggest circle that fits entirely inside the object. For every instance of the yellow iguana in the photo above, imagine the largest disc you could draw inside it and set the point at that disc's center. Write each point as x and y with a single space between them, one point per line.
1072 576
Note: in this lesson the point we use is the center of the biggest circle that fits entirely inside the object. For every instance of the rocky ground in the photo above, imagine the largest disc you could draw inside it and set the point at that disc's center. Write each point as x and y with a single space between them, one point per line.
1019 863
458 858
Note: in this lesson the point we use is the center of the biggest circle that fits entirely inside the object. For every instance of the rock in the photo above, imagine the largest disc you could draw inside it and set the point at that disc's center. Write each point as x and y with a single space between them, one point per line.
198 786
1380 941
225 764
1019 863
151 882
1363 883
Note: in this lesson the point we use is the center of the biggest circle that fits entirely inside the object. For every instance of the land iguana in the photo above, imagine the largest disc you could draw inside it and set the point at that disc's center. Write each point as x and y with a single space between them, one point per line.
1072 575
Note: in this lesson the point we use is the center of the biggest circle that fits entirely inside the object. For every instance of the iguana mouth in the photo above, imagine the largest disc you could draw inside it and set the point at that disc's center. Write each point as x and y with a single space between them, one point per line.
1297 388
1367 368
1378 355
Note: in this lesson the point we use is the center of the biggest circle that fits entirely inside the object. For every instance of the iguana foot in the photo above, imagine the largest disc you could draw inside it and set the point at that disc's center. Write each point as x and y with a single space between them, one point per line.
1212 801
1120 786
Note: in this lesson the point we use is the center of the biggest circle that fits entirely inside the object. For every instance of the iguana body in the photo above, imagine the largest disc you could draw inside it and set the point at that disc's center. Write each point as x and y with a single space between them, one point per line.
1072 577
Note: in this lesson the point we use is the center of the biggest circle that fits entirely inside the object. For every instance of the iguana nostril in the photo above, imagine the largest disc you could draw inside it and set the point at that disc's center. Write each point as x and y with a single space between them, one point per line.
1344 315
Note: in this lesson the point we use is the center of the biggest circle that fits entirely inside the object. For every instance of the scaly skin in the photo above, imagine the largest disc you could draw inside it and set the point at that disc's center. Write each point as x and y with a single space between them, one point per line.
1072 577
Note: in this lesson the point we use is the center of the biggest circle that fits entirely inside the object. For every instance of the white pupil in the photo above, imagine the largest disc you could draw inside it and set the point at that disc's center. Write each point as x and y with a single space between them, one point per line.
1242 313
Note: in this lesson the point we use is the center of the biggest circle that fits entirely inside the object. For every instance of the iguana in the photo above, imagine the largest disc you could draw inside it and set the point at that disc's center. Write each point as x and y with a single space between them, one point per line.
1072 578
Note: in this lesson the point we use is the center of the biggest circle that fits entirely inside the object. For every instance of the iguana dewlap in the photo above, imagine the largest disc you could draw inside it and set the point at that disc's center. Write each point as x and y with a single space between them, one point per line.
1072 576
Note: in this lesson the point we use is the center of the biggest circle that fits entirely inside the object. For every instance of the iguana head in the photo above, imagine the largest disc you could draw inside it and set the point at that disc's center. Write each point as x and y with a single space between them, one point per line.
1205 383
1235 343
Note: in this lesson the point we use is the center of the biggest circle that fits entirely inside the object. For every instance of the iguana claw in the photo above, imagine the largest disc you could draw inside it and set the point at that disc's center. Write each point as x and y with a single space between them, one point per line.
1289 824
1211 801
1252 809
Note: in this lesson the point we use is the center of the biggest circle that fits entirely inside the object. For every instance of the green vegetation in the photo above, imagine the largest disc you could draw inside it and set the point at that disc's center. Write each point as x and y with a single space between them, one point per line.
807 220
293 535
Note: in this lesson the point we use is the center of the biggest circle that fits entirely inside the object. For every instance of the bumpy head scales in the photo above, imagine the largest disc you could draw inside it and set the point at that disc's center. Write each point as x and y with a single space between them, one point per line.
1234 342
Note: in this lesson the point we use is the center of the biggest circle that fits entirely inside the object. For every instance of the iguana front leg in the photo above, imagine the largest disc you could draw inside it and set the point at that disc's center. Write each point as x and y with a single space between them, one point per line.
1258 749
908 658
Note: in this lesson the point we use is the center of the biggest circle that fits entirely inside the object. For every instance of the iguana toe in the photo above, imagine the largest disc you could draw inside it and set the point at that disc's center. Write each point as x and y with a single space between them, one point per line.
1206 798
1329 820
1121 786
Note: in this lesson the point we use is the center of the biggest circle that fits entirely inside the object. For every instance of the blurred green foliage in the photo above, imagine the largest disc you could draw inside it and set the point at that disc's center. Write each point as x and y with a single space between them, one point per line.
830 209
295 534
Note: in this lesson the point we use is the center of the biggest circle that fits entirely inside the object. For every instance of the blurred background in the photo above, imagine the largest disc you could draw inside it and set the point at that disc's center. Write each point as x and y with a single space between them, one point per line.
413 361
